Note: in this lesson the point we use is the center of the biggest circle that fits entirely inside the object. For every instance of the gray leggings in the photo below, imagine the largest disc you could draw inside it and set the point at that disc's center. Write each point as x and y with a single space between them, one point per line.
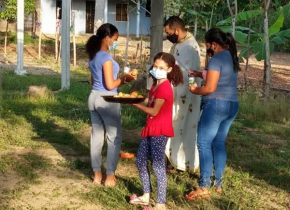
106 122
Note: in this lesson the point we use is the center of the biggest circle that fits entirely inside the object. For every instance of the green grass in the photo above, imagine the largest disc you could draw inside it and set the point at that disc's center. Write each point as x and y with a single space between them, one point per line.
258 168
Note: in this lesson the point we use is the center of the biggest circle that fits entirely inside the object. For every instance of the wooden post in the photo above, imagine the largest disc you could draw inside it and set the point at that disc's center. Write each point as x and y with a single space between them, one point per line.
156 31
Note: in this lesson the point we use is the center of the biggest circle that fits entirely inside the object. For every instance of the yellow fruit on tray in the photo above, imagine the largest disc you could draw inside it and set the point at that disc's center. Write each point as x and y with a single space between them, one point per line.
134 72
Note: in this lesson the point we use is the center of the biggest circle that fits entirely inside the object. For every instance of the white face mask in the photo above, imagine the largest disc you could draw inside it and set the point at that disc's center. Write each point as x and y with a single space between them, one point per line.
158 74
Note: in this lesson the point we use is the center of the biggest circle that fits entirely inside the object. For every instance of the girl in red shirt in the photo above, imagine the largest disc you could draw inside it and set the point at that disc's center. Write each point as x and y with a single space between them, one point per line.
164 72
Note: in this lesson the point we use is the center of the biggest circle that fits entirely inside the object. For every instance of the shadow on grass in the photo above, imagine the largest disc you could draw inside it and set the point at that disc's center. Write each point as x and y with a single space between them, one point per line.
264 156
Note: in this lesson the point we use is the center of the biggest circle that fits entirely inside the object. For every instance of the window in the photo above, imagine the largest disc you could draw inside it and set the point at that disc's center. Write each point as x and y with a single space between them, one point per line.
148 8
121 12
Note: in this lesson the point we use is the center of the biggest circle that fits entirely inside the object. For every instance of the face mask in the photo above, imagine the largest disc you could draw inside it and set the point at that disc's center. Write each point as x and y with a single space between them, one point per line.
210 52
173 38
158 74
114 46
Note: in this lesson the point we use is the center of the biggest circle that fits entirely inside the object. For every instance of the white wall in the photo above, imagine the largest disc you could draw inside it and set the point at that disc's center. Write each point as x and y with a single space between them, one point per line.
48 16
79 8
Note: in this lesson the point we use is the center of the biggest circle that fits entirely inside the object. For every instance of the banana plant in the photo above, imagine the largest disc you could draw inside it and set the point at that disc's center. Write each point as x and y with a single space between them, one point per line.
257 40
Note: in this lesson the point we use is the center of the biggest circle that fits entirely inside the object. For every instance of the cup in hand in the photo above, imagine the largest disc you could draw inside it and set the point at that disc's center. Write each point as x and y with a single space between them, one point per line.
126 69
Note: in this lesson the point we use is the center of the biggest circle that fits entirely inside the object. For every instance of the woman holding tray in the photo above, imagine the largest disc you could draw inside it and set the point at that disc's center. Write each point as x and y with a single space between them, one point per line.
105 117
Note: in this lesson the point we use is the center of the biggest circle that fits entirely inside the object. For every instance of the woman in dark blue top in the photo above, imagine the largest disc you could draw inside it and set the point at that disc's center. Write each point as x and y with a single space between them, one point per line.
219 109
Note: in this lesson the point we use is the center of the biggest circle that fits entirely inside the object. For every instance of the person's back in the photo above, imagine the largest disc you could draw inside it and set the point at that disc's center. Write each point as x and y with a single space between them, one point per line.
227 83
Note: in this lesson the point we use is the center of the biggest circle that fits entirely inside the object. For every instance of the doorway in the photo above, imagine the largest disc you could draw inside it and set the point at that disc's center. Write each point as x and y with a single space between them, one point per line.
90 16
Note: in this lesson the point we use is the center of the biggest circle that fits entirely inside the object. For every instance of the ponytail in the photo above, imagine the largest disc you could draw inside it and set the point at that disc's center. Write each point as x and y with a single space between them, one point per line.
93 46
233 50
175 76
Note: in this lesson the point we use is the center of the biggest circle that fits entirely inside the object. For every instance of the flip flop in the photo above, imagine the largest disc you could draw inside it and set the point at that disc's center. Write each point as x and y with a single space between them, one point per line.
126 155
135 200
200 193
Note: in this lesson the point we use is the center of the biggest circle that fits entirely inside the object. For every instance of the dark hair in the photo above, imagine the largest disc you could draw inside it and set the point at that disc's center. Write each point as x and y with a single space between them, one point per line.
175 76
93 45
225 40
175 22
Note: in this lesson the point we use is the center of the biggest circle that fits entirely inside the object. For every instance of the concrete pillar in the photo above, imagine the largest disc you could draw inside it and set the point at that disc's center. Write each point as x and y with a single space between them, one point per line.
138 20
156 32
106 11
20 37
65 44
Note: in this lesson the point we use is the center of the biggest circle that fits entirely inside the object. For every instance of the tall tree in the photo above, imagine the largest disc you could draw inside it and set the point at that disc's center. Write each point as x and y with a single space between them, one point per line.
234 13
267 66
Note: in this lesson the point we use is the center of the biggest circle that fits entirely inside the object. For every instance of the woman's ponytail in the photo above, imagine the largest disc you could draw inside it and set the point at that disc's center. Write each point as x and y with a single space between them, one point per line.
233 50
93 46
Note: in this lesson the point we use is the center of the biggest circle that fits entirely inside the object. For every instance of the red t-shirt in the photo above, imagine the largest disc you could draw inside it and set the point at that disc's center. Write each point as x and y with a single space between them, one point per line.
161 124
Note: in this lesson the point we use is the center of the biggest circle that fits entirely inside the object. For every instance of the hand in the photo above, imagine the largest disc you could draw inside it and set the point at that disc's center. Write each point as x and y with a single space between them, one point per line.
192 87
130 76
194 73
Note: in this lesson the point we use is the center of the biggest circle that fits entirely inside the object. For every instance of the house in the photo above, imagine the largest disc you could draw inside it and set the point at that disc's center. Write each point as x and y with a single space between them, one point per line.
87 12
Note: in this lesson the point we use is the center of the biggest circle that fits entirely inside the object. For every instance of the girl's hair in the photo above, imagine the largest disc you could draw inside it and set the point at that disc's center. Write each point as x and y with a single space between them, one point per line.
175 76
94 43
225 40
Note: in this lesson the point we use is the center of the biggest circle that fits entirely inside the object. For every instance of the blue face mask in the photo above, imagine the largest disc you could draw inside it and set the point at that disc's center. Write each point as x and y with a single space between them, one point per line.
158 74
114 46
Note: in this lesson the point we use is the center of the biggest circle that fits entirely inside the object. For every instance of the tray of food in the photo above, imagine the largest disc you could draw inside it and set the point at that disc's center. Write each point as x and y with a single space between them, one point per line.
125 98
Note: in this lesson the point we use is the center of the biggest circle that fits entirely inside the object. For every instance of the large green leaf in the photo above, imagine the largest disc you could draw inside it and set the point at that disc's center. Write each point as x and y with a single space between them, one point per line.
244 52
241 16
259 50
283 34
277 40
286 10
275 28
241 37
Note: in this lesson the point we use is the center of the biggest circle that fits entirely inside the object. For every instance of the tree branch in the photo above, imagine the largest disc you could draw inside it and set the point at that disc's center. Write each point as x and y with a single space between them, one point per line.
230 9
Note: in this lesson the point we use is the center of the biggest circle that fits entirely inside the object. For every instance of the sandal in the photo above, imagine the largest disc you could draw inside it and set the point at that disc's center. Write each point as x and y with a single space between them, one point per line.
201 193
135 200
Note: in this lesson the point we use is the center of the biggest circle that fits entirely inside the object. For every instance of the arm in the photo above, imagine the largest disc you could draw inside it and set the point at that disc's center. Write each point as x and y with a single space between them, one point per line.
109 78
152 111
210 86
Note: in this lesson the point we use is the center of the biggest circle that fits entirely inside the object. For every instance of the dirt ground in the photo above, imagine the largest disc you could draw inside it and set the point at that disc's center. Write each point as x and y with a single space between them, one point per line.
63 184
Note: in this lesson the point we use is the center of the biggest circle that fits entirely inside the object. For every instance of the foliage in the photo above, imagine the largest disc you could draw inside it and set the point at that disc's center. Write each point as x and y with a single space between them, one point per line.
10 12
257 42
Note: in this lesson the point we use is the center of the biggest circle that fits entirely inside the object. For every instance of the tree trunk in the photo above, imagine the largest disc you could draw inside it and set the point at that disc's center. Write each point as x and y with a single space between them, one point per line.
233 15
248 56
195 26
267 63
39 41
127 37
5 42
211 15
156 32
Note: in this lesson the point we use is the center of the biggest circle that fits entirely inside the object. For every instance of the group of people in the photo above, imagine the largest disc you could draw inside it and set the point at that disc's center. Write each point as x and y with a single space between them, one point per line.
187 130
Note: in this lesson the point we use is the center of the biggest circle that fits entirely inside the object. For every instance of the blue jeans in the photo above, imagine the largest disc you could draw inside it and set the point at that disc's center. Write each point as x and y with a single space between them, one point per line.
215 121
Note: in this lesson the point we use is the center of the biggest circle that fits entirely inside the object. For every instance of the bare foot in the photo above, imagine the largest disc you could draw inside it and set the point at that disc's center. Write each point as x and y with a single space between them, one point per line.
160 206
111 180
97 178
